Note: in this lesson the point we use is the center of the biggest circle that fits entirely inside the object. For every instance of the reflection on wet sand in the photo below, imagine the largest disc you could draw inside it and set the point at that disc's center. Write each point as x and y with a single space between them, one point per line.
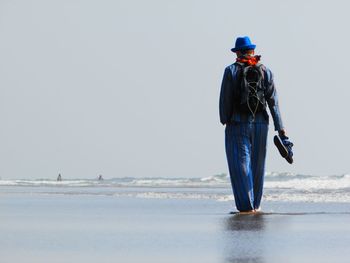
244 236
248 222
244 260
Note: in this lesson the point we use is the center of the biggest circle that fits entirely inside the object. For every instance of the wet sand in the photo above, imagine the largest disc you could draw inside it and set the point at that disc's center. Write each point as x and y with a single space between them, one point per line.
68 228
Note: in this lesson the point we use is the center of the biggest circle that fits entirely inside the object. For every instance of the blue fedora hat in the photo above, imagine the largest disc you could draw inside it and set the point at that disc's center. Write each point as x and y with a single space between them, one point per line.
243 43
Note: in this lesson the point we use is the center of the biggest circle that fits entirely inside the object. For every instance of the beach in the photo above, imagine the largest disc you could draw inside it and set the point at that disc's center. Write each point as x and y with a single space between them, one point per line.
123 124
93 224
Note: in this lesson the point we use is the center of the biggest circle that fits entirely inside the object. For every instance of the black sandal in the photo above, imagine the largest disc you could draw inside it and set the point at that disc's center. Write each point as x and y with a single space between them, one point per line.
284 147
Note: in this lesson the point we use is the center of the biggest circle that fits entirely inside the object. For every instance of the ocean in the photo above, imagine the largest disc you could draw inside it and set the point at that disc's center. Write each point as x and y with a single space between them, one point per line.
277 187
305 218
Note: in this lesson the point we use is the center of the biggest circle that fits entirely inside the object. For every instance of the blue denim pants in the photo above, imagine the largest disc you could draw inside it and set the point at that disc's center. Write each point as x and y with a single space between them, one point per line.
245 144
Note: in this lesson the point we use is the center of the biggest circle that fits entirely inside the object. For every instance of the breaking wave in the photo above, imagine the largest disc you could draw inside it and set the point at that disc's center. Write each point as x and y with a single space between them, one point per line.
277 187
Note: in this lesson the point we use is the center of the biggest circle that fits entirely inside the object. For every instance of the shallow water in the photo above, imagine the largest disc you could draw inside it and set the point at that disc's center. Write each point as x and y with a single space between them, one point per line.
37 227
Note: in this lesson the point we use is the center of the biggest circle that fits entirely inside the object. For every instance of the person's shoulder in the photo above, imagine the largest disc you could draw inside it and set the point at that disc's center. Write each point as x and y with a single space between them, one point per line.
264 66
267 71
231 68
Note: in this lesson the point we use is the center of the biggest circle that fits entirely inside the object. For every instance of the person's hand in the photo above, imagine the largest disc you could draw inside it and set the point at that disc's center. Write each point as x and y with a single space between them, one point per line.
282 133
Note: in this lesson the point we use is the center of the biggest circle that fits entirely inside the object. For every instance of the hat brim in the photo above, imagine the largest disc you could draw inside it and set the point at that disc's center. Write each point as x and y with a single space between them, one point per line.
243 48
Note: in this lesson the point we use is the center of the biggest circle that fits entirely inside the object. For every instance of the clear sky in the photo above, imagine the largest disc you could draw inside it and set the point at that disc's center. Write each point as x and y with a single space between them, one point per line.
130 88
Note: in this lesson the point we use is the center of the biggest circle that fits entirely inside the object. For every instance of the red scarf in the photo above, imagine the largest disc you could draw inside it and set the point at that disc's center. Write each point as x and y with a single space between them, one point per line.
250 60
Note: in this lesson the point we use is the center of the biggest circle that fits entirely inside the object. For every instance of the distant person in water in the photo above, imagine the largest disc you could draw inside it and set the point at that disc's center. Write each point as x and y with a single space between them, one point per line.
100 178
246 91
59 177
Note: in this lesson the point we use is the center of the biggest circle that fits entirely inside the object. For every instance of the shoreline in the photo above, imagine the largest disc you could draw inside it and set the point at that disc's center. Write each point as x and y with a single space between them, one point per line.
108 229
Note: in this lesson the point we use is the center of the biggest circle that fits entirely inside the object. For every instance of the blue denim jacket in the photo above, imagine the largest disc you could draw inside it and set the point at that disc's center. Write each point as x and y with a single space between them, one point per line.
229 101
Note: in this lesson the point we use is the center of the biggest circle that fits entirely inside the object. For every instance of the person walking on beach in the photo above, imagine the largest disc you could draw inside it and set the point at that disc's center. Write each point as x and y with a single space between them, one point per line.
246 91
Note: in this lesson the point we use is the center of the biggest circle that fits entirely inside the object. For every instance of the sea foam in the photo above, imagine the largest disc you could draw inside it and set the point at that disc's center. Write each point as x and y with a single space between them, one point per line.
277 187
